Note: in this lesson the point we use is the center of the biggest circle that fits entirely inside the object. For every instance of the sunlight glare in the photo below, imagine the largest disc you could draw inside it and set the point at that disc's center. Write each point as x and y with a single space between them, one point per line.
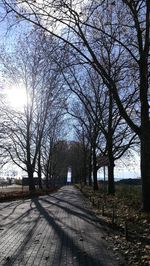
16 97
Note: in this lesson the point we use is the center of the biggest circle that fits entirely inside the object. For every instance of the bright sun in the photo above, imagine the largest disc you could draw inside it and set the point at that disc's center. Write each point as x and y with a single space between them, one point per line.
16 97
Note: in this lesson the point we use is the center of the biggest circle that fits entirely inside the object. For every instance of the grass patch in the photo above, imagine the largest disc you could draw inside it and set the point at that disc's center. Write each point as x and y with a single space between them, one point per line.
17 194
123 213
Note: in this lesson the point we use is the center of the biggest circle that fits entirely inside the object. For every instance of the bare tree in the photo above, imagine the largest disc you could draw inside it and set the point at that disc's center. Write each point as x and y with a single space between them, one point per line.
52 136
106 130
128 25
82 136
25 129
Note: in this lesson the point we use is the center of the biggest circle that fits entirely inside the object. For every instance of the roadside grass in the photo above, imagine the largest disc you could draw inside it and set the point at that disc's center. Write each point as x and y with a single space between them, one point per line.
18 192
122 212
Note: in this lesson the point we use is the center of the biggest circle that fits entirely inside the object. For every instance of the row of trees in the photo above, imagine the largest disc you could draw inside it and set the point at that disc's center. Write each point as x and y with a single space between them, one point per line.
105 62
30 135
102 129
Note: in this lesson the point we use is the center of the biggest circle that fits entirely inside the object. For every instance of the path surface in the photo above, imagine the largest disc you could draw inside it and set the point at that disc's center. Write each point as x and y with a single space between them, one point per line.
54 230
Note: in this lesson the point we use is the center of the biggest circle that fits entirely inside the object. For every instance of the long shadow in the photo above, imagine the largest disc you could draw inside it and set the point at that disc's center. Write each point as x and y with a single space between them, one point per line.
17 220
22 246
100 222
64 238
81 215
71 195
85 210
8 205
12 211
69 244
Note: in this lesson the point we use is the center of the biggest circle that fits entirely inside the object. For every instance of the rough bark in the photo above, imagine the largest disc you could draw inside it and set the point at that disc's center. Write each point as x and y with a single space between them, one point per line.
84 167
47 178
90 169
95 184
145 133
145 168
31 180
111 183
39 171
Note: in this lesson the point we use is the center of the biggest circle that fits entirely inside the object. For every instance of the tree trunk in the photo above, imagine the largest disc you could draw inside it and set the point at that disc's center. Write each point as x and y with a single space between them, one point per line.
31 180
145 168
111 184
84 178
90 174
48 170
47 176
145 132
90 168
95 185
47 183
84 169
39 171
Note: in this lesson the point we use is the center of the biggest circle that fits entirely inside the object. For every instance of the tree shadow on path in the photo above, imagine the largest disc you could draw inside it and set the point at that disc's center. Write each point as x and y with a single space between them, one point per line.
72 247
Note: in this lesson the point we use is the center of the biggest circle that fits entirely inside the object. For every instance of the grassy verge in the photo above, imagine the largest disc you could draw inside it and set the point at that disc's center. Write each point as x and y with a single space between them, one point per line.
17 194
122 212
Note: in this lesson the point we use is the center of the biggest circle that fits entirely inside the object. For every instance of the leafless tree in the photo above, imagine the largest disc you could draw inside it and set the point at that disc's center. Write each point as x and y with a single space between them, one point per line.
107 132
25 129
54 131
126 23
